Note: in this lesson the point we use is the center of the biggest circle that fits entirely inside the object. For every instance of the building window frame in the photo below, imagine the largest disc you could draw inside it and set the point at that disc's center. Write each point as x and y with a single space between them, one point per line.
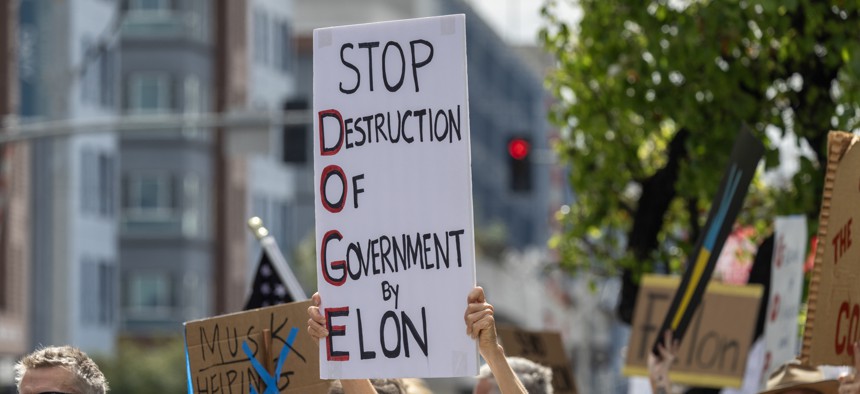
141 85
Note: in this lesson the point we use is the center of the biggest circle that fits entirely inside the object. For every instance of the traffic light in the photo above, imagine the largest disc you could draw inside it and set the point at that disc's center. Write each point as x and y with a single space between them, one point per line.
520 164
295 137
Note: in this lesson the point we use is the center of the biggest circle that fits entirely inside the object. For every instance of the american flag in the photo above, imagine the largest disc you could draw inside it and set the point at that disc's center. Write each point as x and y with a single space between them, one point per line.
268 288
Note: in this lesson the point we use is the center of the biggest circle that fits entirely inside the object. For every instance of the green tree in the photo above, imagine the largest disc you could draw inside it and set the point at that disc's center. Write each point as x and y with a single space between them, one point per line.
145 368
651 96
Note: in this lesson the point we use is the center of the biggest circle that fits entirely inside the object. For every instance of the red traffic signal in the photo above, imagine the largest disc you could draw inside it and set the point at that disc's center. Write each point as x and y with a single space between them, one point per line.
519 164
518 148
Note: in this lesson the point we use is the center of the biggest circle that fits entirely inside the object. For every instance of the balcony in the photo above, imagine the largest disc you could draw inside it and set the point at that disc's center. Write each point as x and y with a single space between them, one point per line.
166 24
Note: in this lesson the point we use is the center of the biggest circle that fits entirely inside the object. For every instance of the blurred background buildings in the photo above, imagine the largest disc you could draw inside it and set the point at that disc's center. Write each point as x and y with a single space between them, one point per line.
109 233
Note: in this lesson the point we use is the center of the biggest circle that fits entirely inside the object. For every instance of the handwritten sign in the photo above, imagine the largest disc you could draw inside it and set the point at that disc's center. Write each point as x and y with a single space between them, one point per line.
833 318
394 225
226 354
542 347
786 287
714 353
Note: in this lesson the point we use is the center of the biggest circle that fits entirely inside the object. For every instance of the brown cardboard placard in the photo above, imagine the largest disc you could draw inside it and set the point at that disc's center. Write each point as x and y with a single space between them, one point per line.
218 362
714 353
543 347
833 317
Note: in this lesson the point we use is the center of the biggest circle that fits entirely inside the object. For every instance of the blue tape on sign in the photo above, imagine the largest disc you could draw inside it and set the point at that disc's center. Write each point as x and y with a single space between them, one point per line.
271 381
187 364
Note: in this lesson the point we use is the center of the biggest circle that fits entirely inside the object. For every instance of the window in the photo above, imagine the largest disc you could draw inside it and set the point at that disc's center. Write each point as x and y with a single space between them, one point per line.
162 204
192 102
89 72
149 194
260 37
194 207
149 295
98 182
148 5
108 77
272 42
285 47
98 292
149 93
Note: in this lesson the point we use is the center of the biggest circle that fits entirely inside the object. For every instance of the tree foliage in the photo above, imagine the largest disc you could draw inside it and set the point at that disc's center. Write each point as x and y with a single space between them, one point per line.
144 368
650 96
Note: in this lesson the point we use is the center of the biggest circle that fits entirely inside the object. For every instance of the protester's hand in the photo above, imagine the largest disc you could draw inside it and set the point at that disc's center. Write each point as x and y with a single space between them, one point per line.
658 368
480 323
316 323
850 384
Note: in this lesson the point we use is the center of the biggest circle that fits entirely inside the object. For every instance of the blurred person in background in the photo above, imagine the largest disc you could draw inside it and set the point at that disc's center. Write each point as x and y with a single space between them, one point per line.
536 378
59 369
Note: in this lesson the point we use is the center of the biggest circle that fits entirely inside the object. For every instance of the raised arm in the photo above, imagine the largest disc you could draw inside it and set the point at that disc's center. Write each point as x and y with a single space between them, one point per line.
658 368
481 325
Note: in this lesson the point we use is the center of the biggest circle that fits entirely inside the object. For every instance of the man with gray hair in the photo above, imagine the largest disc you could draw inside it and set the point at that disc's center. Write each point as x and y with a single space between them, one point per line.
536 378
59 370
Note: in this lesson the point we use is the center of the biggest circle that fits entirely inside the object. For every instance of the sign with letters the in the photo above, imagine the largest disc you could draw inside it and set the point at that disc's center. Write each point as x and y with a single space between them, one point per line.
714 351
786 286
393 204
833 317
264 351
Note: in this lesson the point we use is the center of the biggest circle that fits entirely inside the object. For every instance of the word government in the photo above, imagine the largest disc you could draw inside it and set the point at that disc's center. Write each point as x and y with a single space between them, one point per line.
393 127
391 254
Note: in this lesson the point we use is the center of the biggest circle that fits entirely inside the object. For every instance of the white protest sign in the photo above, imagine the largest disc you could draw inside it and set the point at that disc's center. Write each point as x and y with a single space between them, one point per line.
786 287
394 229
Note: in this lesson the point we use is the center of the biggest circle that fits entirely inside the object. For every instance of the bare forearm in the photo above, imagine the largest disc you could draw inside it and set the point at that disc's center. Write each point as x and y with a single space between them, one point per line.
505 377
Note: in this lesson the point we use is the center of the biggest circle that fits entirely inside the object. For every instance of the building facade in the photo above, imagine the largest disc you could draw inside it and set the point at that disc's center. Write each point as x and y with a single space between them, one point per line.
68 69
166 241
187 192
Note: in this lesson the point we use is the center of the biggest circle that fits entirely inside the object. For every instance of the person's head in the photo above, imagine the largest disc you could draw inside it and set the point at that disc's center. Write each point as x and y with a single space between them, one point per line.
536 378
796 378
59 369
382 386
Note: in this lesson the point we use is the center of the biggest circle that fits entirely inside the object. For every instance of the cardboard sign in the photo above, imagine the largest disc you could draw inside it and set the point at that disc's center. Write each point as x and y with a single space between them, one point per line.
714 354
393 202
833 317
231 354
542 347
745 156
786 288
